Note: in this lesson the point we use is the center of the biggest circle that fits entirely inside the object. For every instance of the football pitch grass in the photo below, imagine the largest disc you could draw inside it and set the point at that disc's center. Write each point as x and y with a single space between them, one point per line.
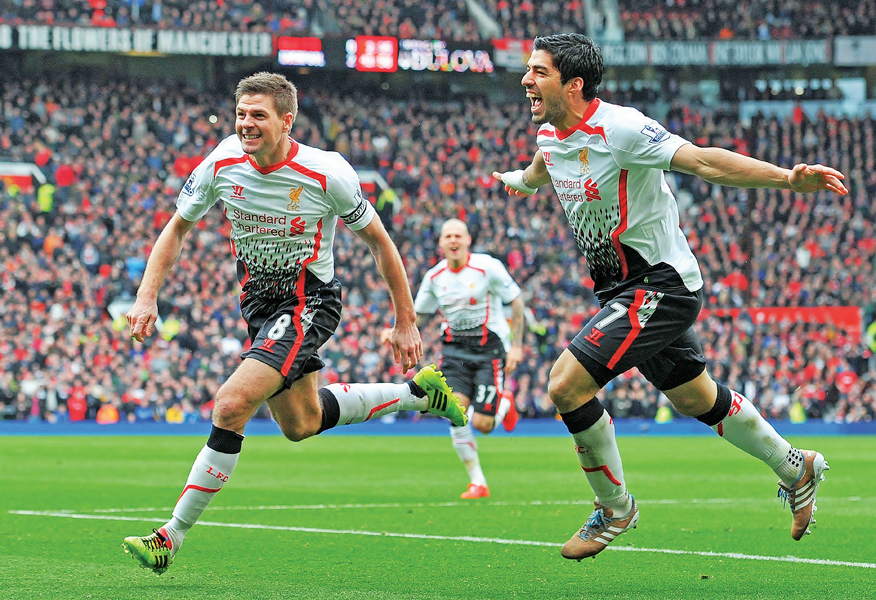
379 517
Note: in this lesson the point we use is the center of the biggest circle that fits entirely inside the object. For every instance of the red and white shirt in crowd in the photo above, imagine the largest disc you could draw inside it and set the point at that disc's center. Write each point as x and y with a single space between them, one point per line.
608 174
283 217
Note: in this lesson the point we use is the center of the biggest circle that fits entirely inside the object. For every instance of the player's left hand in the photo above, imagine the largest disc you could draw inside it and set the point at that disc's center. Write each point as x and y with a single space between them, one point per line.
141 318
813 178
512 359
407 346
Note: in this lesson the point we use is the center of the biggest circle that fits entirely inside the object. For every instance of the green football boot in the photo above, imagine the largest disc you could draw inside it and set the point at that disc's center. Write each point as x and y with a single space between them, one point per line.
442 401
153 551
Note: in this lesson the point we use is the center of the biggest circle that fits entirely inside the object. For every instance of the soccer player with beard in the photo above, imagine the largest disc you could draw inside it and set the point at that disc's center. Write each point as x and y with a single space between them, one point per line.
606 165
479 348
283 200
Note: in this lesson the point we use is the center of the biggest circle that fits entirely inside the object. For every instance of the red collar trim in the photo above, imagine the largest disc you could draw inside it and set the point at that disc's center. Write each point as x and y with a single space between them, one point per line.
452 270
293 151
594 104
582 124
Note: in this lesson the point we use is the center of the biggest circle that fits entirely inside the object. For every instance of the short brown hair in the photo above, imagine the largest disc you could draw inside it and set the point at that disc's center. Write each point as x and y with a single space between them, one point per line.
455 222
284 93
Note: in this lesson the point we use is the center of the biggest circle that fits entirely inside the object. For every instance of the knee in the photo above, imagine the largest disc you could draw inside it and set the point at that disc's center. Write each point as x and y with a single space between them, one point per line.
227 414
485 426
567 394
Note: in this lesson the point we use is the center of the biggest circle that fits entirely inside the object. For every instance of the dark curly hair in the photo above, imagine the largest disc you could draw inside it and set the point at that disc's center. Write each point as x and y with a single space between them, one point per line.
574 55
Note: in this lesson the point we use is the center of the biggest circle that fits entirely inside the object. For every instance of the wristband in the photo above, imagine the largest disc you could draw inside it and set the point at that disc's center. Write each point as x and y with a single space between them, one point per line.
514 180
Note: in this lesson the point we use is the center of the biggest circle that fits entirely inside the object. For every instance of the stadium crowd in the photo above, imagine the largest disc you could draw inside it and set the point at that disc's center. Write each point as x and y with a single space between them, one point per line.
116 154
688 20
451 19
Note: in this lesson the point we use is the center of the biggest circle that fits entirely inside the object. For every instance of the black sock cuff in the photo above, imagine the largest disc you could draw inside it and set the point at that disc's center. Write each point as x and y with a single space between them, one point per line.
225 441
331 410
416 390
583 417
721 408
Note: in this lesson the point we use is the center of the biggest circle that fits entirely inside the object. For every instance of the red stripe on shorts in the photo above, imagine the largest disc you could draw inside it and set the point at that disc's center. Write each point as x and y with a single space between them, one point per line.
302 300
635 328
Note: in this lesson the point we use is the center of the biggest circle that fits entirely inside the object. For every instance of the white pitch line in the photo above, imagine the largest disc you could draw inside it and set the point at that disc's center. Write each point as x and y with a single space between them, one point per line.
645 502
456 538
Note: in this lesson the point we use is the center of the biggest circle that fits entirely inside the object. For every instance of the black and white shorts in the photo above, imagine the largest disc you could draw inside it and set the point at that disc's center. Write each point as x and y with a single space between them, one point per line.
287 334
645 328
481 380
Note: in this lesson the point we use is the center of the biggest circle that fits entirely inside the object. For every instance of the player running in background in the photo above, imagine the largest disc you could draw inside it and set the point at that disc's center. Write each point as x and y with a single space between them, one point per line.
283 200
606 164
479 347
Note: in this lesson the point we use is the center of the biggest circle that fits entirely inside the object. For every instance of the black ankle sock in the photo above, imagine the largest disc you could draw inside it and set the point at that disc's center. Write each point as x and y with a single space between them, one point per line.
416 390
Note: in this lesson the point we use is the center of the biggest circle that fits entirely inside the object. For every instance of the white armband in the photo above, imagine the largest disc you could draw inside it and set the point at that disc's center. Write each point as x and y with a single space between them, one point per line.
514 180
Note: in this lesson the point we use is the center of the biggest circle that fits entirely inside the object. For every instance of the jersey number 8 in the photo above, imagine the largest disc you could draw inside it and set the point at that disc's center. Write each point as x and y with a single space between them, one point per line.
279 328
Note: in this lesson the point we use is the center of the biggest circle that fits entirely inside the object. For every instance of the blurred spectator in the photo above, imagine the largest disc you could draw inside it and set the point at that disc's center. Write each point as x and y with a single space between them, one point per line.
174 414
144 411
761 20
450 19
107 414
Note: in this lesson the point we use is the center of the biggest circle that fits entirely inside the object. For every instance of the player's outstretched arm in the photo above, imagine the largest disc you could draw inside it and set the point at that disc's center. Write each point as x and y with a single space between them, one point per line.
407 347
517 321
724 167
142 316
525 182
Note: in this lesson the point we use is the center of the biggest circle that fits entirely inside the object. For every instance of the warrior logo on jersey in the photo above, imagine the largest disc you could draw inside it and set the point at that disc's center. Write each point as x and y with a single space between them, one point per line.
585 164
294 198
237 192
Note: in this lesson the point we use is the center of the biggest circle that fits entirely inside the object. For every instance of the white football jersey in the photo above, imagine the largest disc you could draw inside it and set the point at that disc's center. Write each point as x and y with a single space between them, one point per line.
608 174
470 300
283 217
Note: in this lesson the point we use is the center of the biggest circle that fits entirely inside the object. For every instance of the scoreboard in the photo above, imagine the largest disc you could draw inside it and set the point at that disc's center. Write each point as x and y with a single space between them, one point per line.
383 54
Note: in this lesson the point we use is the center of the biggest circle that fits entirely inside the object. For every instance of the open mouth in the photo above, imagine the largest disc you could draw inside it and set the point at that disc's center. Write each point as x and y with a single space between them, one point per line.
251 136
536 101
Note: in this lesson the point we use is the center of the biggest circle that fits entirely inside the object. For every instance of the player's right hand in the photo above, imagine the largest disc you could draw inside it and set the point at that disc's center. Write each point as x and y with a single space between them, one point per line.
141 318
407 346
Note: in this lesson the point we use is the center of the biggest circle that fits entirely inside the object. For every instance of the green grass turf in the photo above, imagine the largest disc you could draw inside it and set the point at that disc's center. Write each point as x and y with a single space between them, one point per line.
735 512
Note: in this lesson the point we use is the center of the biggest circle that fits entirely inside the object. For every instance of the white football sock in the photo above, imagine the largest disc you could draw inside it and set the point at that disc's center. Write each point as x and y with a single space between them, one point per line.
599 457
209 473
745 428
360 402
467 449
504 407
